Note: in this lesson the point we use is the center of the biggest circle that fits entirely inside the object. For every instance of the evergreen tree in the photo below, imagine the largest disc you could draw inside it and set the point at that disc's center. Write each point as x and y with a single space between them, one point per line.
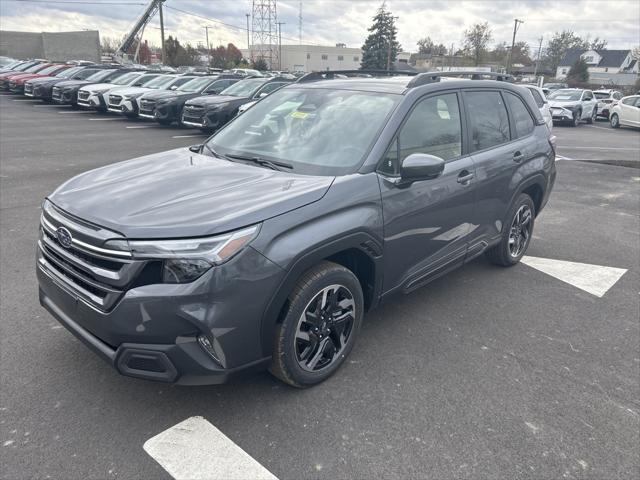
381 47
579 72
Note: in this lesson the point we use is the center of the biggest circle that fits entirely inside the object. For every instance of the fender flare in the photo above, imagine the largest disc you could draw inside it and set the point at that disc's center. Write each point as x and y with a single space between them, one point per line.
535 179
359 240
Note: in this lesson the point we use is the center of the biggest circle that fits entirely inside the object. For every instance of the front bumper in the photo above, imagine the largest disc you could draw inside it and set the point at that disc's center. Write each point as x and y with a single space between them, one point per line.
126 107
151 332
94 100
561 114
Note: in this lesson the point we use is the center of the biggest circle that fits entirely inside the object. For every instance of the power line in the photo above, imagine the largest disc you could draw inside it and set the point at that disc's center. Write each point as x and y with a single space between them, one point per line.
215 20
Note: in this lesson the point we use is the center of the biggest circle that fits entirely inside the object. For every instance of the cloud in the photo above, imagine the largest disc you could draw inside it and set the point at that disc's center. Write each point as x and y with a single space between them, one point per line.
328 22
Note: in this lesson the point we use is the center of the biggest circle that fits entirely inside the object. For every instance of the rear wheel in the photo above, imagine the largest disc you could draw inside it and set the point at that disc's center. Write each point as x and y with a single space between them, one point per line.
614 121
320 325
516 233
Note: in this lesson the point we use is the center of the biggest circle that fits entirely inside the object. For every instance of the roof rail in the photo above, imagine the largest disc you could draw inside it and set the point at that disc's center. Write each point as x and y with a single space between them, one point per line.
433 77
331 74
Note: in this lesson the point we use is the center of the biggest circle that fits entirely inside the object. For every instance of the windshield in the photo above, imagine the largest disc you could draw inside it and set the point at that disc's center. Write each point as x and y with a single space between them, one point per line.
34 69
126 78
565 95
99 75
68 72
50 69
195 85
317 131
601 95
160 82
243 88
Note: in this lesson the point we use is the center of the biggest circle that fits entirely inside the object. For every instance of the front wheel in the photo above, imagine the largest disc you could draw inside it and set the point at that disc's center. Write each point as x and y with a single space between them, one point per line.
593 116
322 319
516 233
164 121
576 119
614 121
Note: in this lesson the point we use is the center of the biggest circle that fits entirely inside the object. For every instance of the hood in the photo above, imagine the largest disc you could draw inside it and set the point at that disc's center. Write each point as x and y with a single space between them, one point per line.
161 94
48 81
179 193
24 78
563 103
208 100
71 83
130 90
39 80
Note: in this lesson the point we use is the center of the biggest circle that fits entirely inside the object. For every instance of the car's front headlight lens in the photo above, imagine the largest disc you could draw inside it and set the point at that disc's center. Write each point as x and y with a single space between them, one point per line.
187 259
100 92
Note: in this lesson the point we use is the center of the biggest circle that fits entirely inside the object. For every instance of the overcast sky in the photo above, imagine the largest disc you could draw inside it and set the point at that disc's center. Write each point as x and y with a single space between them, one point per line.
327 22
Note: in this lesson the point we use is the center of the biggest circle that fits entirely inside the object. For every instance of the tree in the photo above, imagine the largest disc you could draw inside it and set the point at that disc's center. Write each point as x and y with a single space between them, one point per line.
559 45
226 57
426 45
521 53
381 47
108 45
177 55
579 72
260 64
477 39
598 44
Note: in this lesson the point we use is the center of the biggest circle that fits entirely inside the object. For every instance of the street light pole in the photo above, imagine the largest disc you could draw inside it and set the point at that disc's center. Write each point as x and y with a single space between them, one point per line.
162 33
206 29
248 44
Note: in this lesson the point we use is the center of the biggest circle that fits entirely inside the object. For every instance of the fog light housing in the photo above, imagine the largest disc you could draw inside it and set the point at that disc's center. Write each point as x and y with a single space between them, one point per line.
208 347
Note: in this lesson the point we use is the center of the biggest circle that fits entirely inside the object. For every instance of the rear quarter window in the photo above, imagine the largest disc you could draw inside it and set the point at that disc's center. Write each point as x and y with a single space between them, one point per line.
521 117
488 119
537 97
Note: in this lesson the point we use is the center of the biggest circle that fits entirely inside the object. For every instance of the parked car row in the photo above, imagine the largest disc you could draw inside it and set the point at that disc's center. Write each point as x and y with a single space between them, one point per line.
189 99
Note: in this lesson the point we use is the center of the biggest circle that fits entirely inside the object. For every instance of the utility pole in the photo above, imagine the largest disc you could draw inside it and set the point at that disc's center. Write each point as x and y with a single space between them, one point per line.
280 44
248 44
451 52
513 43
206 29
535 70
162 33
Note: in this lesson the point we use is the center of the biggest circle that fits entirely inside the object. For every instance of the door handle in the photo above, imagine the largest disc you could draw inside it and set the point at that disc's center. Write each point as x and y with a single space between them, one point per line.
465 177
518 157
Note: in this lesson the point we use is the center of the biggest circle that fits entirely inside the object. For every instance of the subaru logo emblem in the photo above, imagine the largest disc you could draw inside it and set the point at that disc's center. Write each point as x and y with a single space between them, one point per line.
64 237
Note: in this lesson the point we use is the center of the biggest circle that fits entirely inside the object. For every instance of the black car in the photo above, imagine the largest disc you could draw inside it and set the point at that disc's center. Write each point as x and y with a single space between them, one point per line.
265 246
165 107
67 92
211 113
43 88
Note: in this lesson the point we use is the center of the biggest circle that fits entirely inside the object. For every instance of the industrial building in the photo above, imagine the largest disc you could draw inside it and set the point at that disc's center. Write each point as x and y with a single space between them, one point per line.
309 58
54 46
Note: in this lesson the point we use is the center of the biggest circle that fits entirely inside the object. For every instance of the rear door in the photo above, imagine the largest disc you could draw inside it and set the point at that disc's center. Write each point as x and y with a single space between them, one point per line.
499 144
427 222
630 111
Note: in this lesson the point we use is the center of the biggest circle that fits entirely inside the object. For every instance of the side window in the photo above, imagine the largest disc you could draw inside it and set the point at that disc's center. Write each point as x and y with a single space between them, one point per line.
488 119
587 96
537 97
521 116
629 100
433 127
617 96
268 88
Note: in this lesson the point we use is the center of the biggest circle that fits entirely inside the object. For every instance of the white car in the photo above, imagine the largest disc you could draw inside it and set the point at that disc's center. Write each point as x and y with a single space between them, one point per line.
606 99
125 99
626 112
543 104
572 105
95 95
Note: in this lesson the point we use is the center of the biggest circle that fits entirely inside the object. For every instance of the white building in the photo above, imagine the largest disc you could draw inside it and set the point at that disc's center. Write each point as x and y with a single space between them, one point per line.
310 58
605 66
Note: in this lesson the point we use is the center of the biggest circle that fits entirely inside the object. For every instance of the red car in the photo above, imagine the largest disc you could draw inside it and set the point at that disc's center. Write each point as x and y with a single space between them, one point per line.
16 82
6 77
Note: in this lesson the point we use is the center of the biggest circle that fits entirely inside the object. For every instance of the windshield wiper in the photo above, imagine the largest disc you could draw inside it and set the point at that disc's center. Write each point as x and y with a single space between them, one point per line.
274 165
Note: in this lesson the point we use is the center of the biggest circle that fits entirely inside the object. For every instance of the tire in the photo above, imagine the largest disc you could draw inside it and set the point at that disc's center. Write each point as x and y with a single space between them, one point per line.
614 120
504 253
164 122
301 362
593 116
576 119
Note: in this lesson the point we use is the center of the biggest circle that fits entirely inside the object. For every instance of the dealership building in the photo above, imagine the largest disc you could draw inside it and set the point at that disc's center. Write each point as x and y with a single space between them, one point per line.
309 58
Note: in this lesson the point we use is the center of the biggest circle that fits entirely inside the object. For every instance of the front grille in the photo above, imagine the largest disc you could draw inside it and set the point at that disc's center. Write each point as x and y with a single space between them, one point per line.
147 107
83 95
114 100
98 276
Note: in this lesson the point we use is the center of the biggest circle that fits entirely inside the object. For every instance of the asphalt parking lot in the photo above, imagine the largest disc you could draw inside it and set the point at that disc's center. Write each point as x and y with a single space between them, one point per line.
485 373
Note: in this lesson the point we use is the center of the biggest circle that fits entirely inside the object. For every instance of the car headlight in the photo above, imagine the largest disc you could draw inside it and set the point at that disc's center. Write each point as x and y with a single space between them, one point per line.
132 96
100 92
187 259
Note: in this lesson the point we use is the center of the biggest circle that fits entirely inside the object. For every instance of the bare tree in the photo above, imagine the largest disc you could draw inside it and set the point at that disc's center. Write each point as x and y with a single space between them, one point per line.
477 39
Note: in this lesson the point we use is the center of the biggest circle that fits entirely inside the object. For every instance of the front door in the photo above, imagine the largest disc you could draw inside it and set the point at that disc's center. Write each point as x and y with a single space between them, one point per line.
427 222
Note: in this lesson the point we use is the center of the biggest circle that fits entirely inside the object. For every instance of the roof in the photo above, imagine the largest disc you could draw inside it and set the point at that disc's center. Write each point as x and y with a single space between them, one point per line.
610 58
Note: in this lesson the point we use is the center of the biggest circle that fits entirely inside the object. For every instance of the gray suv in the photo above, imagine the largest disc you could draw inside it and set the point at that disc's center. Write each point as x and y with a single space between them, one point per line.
264 246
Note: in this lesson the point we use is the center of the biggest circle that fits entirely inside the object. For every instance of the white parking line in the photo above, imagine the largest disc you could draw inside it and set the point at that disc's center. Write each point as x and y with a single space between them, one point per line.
51 105
141 126
579 147
194 449
601 128
594 279
103 119
26 100
76 111
190 136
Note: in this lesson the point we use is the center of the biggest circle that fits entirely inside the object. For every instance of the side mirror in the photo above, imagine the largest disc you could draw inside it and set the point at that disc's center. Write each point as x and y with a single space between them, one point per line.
173 87
195 148
421 166
263 94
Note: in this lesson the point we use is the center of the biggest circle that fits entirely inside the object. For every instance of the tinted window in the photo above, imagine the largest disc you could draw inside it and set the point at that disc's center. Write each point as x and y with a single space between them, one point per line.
587 96
488 119
629 100
521 116
617 95
269 87
537 97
